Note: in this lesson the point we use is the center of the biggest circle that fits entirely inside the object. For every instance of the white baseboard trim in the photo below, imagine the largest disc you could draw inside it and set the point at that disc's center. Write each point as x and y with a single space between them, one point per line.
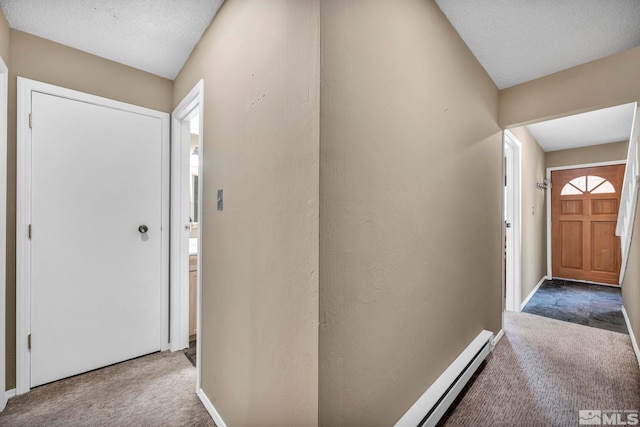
526 300
634 343
10 393
212 411
497 338
434 402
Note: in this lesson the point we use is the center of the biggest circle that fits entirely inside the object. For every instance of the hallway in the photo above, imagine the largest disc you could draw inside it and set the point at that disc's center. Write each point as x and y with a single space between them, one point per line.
351 226
544 371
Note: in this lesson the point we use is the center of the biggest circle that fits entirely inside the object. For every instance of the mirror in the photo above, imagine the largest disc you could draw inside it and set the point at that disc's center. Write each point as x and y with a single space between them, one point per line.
194 159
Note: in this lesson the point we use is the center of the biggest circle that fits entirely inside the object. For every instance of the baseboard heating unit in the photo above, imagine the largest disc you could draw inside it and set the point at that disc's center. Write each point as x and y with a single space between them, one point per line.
432 405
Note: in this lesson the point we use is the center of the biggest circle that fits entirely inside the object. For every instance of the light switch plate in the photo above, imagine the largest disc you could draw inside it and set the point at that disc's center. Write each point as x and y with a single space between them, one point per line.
219 200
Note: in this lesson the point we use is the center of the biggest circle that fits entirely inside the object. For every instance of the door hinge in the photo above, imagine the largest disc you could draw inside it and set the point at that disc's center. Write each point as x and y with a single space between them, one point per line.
30 231
30 121
29 341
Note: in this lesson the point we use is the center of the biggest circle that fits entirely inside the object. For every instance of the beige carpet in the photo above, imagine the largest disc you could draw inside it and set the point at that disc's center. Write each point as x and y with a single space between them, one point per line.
544 371
154 390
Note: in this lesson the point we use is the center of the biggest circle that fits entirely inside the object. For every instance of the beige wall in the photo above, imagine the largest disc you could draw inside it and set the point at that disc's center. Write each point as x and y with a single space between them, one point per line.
631 281
9 335
45 61
260 62
585 155
598 84
4 38
410 206
534 228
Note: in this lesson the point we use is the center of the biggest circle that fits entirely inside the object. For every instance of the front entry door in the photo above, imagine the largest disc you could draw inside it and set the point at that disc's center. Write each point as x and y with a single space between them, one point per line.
96 250
584 211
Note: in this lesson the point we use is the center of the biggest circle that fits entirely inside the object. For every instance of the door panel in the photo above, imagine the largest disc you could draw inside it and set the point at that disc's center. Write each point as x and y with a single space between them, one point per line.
571 244
604 207
603 246
95 279
570 207
584 211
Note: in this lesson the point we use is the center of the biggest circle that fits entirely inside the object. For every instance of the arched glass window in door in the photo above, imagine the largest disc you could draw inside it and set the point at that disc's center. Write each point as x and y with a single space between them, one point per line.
587 184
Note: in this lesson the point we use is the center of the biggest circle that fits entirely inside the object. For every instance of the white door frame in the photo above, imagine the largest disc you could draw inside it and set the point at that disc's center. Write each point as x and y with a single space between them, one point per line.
190 106
23 214
548 195
4 73
513 267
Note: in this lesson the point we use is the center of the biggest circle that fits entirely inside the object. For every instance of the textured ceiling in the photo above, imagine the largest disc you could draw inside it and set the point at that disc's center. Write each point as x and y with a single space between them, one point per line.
521 40
592 128
152 35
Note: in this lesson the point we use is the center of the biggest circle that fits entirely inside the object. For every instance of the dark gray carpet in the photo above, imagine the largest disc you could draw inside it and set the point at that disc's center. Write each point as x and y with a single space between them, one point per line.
582 303
154 390
190 353
544 371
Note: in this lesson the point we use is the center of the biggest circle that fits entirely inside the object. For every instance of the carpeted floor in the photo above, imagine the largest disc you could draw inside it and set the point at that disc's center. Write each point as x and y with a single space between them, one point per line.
154 390
544 371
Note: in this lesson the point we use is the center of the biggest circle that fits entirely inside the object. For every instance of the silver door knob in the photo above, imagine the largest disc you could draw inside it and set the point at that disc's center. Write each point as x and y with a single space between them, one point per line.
143 229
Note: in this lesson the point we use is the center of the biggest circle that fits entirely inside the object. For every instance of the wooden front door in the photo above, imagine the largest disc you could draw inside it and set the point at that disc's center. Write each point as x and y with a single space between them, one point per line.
584 211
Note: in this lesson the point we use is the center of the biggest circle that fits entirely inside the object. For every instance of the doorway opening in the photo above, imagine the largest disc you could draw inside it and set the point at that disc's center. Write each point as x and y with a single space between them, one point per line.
587 193
512 221
186 226
194 217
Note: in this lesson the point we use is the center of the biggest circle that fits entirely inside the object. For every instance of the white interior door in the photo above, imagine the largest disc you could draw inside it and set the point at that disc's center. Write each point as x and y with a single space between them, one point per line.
96 279
513 220
509 219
